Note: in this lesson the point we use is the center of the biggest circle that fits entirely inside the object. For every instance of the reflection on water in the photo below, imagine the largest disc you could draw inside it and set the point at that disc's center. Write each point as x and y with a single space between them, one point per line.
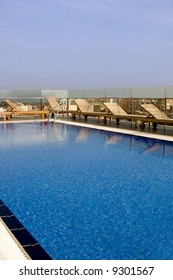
37 133
152 149
142 145
112 139
82 134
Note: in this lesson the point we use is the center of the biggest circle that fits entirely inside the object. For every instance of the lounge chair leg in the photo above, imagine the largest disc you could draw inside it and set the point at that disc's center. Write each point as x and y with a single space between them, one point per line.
117 120
154 124
104 120
73 117
142 125
43 115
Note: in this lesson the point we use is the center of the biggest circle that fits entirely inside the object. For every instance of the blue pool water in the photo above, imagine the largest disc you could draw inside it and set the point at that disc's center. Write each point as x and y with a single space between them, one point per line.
89 194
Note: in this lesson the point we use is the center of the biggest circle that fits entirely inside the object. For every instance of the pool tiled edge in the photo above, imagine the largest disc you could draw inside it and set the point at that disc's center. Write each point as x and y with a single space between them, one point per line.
21 239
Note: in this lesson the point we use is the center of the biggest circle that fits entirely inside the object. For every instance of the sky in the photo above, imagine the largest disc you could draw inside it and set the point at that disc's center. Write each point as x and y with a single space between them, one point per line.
76 44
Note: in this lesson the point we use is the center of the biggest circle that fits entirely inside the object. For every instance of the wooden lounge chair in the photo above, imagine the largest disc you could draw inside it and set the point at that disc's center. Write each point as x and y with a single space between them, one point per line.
13 106
154 111
83 105
156 116
54 107
16 111
115 109
87 110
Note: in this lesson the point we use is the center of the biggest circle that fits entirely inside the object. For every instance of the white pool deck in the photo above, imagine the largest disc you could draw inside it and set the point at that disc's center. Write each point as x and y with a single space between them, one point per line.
10 248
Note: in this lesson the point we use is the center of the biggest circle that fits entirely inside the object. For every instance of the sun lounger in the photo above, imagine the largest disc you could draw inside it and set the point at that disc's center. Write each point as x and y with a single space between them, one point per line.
156 116
13 106
115 109
54 106
154 111
87 110
83 105
16 111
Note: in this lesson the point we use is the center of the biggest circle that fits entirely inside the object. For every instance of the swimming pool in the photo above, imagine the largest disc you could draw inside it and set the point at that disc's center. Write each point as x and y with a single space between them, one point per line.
89 194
